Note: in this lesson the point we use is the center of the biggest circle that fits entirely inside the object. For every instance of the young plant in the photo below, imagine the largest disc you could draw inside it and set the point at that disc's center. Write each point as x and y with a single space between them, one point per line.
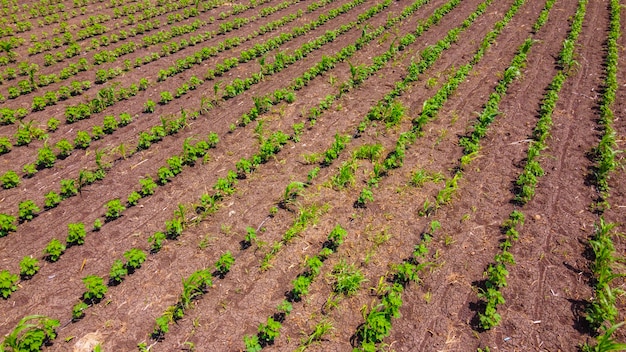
29 266
96 289
7 224
30 334
8 283
134 258
97 225
251 237
293 190
147 186
78 310
45 158
366 196
149 106
222 266
166 97
174 228
30 170
5 145
82 140
27 210
10 179
114 209
68 188
118 272
64 147
252 343
156 241
133 198
300 287
52 199
348 279
76 234
54 250
269 331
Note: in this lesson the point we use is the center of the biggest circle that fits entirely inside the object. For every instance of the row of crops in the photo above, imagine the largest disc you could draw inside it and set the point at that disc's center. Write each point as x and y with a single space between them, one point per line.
171 167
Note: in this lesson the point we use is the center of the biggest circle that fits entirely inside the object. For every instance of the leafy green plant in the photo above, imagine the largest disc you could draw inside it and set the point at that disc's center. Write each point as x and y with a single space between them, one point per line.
251 237
30 334
8 283
605 342
30 170
293 190
78 310
370 152
269 331
118 272
156 241
125 119
365 196
97 225
147 186
149 106
345 175
54 250
133 198
76 234
166 97
52 199
114 209
348 279
7 224
5 145
29 266
300 287
96 289
322 328
28 210
134 258
223 264
252 343
82 140
109 124
52 124
45 157
338 145
68 188
10 179
312 175
174 228
64 147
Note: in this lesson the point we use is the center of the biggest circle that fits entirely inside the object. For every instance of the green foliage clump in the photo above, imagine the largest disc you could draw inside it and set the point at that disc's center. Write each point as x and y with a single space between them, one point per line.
30 334
76 234
7 224
96 289
27 210
10 179
8 283
29 266
54 250
52 199
134 258
223 264
114 209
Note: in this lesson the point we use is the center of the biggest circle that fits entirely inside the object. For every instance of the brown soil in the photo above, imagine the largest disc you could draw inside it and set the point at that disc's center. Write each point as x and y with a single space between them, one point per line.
548 288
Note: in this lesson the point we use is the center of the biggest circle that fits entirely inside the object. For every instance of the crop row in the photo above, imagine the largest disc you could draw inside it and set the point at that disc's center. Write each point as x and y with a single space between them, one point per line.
526 182
602 312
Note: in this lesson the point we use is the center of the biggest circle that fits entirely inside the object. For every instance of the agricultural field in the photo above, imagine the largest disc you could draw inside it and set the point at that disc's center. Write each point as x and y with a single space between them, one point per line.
320 175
